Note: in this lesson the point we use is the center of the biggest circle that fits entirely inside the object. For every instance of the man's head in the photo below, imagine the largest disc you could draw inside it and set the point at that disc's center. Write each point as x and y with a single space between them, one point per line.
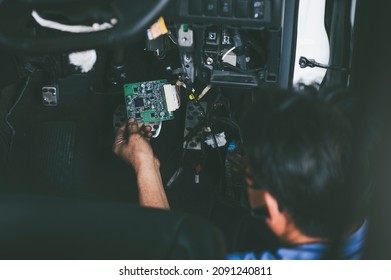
298 149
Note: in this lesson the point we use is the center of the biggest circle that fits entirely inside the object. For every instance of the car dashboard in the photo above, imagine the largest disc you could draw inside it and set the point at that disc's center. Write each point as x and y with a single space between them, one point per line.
253 29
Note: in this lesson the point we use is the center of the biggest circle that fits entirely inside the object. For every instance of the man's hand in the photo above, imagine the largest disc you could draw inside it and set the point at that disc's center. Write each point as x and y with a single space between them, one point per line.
132 144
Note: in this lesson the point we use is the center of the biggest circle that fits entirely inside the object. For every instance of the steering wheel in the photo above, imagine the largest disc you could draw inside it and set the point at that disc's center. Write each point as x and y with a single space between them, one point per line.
20 32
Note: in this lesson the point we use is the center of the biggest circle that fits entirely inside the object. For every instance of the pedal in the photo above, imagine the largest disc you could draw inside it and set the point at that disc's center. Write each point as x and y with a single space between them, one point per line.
194 116
156 128
50 95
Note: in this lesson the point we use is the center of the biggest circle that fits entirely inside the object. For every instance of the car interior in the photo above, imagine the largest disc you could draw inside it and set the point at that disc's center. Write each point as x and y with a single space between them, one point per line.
74 71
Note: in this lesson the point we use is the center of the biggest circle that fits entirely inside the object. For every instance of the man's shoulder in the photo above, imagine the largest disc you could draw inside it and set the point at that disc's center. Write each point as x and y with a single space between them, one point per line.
306 252
352 249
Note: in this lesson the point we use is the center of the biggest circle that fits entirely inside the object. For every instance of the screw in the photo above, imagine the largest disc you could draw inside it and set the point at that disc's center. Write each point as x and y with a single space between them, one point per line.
209 61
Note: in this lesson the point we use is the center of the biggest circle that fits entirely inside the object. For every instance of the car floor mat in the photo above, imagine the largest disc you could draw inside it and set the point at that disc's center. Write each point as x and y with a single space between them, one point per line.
52 154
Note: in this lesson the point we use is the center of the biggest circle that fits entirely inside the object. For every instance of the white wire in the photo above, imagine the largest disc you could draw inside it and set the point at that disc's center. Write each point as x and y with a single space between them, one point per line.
10 112
70 28
230 50
172 39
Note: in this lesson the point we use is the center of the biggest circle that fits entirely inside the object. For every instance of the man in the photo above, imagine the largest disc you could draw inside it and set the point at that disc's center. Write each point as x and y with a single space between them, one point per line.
132 145
297 171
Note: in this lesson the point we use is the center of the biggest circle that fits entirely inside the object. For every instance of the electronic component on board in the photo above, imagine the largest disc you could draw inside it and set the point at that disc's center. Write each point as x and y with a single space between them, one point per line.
151 101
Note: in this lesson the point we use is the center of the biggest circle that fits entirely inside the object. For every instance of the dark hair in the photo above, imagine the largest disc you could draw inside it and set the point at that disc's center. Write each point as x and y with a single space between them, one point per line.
298 149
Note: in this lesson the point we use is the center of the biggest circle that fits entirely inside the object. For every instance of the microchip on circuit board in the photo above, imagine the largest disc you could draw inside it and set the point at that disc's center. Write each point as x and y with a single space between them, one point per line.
151 101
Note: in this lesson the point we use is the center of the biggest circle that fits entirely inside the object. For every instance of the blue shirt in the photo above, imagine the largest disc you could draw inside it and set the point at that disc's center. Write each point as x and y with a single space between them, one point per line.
351 250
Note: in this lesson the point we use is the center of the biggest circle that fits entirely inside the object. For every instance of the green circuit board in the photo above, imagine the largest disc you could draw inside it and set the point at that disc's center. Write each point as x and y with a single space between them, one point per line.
146 102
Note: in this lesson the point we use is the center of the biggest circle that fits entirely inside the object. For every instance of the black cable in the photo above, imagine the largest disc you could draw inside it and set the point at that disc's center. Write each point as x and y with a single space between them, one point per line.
186 139
204 122
212 134
305 62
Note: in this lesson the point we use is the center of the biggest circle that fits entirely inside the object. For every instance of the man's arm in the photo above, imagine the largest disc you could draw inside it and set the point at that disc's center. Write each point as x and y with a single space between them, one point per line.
132 145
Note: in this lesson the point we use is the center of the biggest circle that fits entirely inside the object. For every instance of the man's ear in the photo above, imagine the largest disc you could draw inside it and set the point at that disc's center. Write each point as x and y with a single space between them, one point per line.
277 219
271 204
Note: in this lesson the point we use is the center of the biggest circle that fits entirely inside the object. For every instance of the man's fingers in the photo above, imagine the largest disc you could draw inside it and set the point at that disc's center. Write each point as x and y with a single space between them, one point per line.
147 128
132 126
119 138
145 131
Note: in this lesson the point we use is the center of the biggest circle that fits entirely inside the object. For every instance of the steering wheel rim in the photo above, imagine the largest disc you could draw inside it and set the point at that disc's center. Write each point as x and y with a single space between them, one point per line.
18 34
